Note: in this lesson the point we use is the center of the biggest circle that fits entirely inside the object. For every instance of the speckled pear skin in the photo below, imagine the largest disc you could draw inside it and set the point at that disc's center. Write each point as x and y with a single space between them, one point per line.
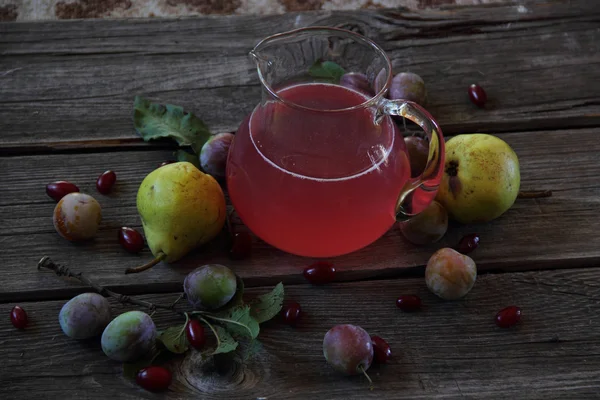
181 208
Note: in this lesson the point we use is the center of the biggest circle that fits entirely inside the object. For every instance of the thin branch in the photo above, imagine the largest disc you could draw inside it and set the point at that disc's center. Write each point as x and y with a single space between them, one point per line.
61 270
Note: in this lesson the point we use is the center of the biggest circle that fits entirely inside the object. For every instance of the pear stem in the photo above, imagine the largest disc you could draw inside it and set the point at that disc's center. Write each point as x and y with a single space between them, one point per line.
142 268
367 375
61 270
534 194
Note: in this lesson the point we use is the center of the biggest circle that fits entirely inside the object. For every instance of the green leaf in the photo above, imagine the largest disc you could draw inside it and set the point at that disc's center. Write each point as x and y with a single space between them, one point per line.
174 340
238 321
182 155
327 70
267 306
226 342
153 121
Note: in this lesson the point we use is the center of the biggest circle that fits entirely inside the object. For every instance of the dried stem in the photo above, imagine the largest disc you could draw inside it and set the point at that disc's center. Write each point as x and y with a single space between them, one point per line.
534 195
141 268
61 270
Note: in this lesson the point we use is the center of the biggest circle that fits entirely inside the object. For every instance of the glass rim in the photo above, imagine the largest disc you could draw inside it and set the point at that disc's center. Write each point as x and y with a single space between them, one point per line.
339 31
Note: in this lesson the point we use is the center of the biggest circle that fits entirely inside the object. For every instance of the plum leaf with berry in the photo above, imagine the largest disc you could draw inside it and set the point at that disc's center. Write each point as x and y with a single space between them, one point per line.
268 305
154 121
173 338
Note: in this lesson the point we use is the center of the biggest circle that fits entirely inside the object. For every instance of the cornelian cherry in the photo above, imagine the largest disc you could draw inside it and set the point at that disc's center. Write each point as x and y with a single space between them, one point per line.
408 302
382 352
292 313
477 95
131 240
106 181
508 317
18 317
154 378
468 243
58 190
320 273
194 331
241 246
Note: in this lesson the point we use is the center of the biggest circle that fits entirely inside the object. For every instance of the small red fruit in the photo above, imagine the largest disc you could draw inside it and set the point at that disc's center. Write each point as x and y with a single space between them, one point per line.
320 273
468 243
106 181
18 317
477 95
194 331
292 313
58 190
382 352
408 302
131 240
508 317
241 246
154 378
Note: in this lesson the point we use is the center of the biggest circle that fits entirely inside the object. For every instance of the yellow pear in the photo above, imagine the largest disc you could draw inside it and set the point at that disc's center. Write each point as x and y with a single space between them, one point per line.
181 208
481 178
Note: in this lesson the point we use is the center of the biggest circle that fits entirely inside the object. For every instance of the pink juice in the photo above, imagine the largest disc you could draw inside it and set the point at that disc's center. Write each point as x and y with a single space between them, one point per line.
313 183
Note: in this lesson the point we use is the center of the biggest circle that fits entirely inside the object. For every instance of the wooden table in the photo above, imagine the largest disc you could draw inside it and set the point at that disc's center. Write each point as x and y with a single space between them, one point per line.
66 99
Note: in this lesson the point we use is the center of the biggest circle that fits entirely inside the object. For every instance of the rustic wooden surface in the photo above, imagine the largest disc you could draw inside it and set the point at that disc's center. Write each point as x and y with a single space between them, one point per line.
449 350
66 94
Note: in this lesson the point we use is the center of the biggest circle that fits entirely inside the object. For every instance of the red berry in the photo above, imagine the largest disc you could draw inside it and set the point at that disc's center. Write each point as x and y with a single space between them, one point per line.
131 240
106 181
154 379
194 331
320 272
508 317
382 353
58 190
468 243
162 164
241 246
292 313
18 317
408 302
477 95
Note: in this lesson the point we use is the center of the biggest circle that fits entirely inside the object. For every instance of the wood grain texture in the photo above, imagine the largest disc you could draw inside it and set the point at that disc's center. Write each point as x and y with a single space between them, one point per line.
75 81
448 350
560 231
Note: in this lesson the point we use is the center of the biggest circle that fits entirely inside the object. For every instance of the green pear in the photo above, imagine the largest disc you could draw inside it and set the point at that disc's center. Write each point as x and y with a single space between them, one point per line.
181 208
481 178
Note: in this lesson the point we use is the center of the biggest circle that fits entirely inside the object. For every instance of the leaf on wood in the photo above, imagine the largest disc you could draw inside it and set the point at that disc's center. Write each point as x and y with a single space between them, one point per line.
174 339
226 343
268 305
327 70
182 155
239 322
153 121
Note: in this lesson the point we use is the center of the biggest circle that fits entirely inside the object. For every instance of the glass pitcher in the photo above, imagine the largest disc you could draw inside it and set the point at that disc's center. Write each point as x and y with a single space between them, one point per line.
320 168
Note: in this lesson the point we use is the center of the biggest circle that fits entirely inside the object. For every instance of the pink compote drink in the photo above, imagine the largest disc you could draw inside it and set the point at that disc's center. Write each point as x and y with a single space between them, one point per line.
316 183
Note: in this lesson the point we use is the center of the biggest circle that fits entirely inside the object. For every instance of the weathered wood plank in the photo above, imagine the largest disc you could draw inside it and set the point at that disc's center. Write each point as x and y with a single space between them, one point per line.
72 81
448 350
560 231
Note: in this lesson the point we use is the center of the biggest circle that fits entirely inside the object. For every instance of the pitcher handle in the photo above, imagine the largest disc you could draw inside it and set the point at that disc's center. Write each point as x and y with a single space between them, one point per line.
420 191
